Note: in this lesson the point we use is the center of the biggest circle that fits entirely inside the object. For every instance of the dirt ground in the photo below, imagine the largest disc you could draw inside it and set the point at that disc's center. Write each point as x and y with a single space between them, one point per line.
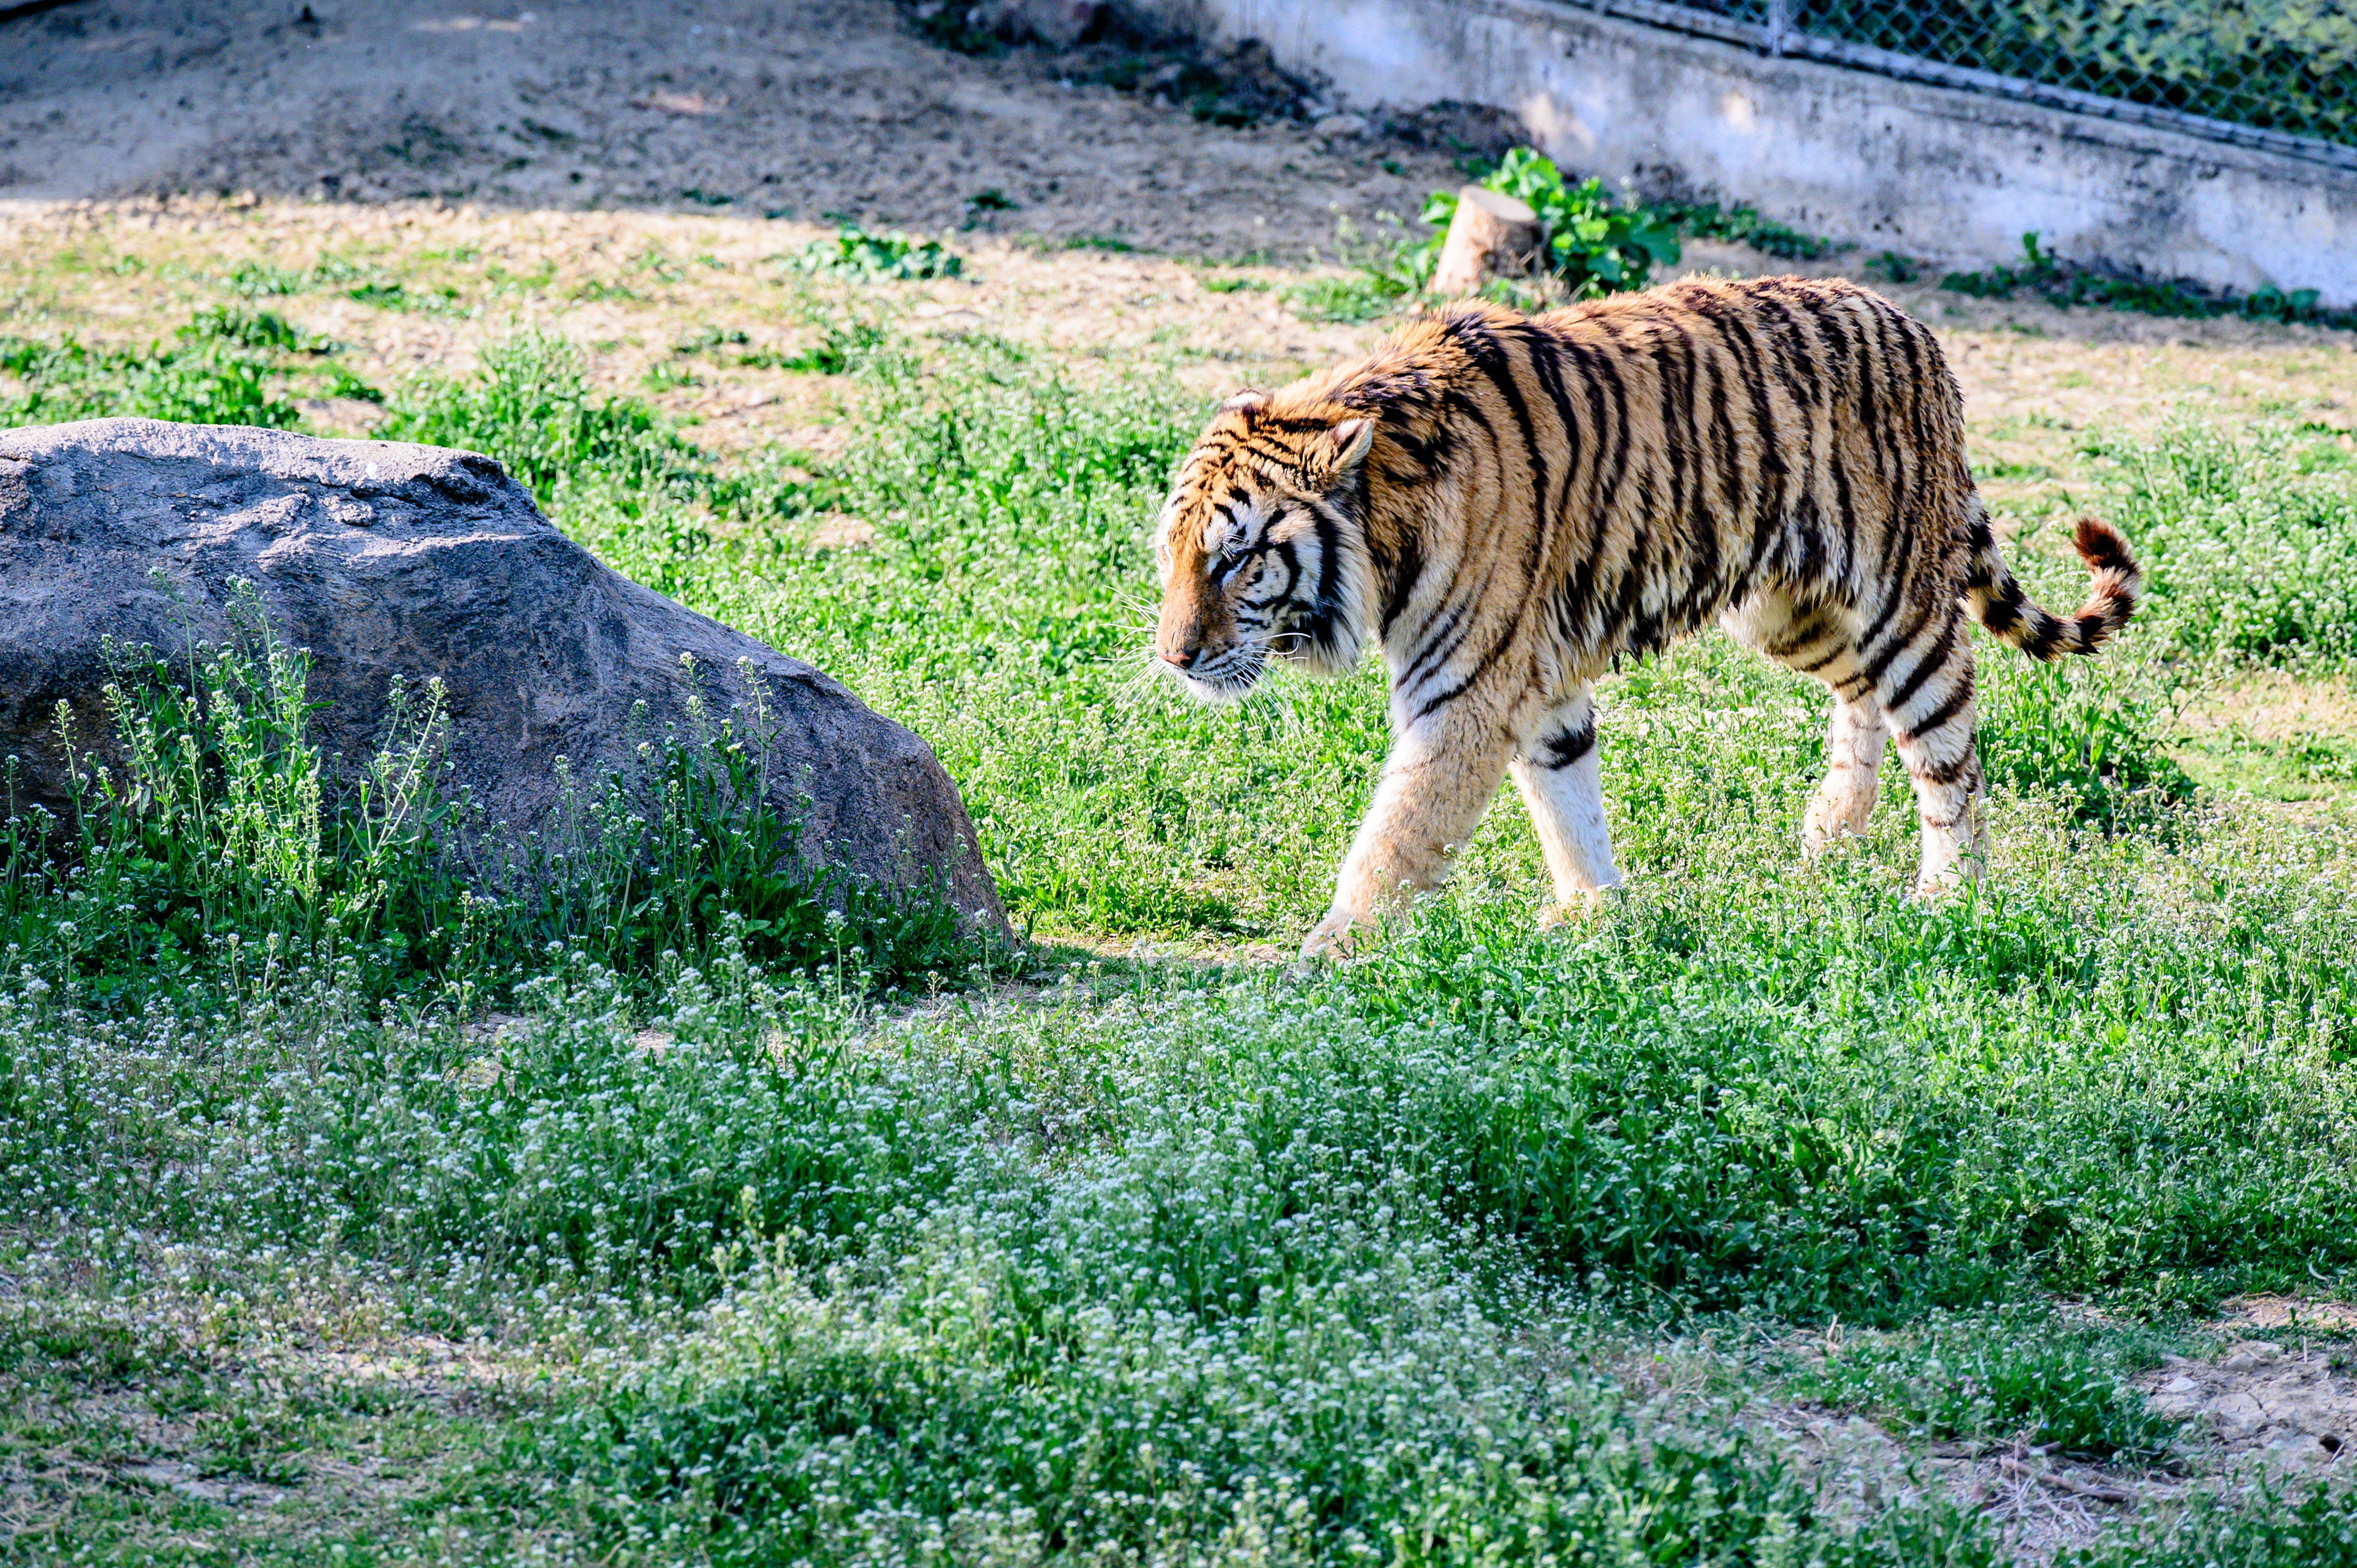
2270 1388
807 110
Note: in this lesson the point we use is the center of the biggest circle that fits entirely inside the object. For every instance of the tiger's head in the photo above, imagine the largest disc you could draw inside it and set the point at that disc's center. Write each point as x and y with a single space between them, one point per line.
1263 547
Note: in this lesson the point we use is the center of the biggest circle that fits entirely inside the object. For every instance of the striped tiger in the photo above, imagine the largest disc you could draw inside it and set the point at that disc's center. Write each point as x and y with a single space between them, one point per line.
1505 504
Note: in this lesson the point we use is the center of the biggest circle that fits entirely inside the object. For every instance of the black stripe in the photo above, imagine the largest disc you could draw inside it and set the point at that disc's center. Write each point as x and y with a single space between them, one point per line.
1939 715
1860 369
1453 611
1563 750
1736 334
1813 665
1571 610
1802 631
1730 467
1947 772
1705 583
1898 476
1490 356
1886 651
1493 360
1934 658
1481 668
1399 583
1545 360
1921 385
1329 549
1794 362
1456 403
1672 453
1608 494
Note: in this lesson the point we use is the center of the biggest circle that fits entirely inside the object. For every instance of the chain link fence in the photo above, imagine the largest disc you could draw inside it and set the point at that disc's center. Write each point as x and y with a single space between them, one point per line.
2276 74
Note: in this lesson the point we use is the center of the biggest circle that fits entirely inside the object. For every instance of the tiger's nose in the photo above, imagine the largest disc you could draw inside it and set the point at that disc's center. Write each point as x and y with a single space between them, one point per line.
1180 658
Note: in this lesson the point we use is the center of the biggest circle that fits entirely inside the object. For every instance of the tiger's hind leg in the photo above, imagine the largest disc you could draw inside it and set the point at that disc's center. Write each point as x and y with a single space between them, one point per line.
1558 774
1926 691
1817 641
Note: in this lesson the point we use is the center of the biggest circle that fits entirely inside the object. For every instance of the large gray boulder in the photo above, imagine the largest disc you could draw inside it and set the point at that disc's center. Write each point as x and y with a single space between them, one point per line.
384 559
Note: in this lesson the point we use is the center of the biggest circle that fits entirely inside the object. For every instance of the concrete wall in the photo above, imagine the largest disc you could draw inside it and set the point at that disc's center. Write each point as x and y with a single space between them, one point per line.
1950 176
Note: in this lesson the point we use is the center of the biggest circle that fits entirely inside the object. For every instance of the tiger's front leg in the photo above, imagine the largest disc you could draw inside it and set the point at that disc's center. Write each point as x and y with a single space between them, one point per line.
1558 774
1439 778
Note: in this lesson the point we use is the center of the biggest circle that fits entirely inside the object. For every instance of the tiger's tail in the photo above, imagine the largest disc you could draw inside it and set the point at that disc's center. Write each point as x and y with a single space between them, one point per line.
1998 603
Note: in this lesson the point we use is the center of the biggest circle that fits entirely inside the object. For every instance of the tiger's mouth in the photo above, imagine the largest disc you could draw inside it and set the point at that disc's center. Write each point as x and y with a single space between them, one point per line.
1224 676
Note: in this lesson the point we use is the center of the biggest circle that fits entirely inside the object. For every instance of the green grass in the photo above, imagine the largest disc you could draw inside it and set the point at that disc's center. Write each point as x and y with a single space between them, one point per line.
2250 540
208 377
2006 1377
1352 298
762 1260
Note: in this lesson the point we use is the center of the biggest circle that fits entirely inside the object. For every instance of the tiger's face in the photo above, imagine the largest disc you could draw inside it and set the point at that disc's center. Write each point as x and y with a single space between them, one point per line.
1261 551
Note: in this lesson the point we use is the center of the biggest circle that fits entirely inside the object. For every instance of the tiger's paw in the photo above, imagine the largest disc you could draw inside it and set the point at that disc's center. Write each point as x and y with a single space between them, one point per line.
1328 940
1575 911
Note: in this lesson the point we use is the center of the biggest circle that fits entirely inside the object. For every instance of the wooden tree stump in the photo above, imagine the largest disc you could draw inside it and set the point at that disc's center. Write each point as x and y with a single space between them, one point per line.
1492 235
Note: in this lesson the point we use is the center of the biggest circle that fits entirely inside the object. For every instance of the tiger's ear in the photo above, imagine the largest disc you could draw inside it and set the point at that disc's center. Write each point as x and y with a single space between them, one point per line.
1247 402
1337 454
1351 438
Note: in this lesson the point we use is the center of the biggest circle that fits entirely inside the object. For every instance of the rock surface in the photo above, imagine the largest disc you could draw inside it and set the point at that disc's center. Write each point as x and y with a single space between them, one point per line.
384 559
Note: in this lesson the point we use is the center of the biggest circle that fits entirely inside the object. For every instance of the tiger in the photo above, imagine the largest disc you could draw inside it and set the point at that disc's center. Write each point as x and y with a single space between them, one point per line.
1506 505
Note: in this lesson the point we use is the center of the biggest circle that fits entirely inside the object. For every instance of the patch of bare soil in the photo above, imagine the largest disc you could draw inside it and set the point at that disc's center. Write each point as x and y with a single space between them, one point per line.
2283 1401
2040 1503
268 1419
812 110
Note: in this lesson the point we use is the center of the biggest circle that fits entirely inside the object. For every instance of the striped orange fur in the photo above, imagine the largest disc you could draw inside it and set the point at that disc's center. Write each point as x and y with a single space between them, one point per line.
1505 504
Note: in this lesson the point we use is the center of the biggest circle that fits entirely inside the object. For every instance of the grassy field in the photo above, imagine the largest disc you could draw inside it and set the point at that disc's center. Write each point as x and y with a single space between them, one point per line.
1769 1218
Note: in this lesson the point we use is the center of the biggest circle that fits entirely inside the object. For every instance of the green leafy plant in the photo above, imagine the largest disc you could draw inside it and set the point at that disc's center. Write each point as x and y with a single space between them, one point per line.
1744 225
955 26
709 338
855 252
2250 549
1595 244
1894 266
842 347
206 380
2058 282
209 838
1355 296
667 857
2085 733
253 329
208 841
